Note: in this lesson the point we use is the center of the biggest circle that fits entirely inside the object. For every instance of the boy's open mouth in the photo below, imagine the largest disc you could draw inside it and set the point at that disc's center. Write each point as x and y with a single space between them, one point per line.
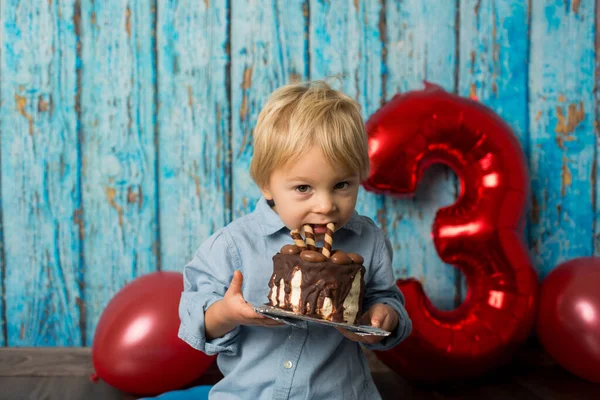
319 229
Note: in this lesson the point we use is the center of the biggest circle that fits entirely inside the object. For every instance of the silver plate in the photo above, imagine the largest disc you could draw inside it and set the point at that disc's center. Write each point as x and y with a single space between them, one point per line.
291 318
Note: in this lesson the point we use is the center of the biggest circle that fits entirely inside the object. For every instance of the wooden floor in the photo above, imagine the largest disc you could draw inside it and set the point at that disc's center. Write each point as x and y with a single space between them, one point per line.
533 375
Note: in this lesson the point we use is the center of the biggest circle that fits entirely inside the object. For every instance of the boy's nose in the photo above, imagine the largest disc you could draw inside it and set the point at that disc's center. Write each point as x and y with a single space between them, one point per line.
325 204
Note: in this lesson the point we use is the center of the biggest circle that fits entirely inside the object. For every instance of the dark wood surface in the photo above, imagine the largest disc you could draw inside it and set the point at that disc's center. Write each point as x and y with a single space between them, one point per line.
65 374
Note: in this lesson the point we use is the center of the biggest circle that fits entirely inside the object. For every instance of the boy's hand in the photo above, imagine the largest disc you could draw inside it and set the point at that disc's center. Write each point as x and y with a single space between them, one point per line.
225 315
380 316
238 310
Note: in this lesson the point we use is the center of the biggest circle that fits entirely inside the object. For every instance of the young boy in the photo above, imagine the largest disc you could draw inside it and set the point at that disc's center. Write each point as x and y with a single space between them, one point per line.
310 156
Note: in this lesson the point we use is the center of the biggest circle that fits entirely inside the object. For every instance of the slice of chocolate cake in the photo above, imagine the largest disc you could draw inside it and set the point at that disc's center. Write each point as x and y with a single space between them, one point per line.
306 281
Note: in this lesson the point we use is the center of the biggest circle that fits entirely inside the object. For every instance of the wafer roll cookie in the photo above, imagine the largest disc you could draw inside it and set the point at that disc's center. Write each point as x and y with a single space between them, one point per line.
310 237
298 241
328 240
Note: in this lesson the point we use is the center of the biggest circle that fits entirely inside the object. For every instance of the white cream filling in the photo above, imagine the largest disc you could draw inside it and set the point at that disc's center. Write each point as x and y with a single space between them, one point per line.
327 308
351 301
281 292
295 295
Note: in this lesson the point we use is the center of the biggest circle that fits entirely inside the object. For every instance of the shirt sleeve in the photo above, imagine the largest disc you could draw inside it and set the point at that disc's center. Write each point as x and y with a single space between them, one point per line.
206 279
381 288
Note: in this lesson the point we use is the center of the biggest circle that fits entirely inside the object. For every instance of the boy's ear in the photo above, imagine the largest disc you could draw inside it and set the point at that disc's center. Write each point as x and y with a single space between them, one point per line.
266 193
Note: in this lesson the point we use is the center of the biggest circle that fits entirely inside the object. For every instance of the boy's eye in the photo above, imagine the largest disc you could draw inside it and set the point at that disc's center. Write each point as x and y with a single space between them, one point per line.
302 188
342 185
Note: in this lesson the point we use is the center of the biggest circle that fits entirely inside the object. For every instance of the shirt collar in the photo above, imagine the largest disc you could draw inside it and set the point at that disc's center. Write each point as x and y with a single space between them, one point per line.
269 222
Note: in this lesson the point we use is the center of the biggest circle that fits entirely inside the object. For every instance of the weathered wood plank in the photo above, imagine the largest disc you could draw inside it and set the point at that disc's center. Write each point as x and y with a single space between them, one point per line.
3 327
532 375
421 45
46 361
63 388
346 41
77 361
561 120
596 244
493 56
266 54
118 151
193 126
40 173
3 323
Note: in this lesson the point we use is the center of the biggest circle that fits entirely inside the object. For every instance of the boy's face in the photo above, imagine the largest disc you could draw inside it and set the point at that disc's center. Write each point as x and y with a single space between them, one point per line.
309 190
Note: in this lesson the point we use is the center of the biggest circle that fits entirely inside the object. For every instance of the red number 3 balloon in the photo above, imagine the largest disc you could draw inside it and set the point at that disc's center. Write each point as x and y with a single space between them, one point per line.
482 233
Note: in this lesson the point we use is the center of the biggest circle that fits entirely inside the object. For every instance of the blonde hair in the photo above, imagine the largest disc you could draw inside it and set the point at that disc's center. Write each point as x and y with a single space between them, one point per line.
299 116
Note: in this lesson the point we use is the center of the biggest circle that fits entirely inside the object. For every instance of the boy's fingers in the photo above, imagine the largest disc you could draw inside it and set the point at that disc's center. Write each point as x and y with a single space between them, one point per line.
358 338
254 318
345 332
271 322
248 312
236 283
381 316
379 321
366 318
378 315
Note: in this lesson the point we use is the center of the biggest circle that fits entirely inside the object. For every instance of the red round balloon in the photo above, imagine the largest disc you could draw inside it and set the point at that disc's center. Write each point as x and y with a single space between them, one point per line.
568 322
136 348
482 233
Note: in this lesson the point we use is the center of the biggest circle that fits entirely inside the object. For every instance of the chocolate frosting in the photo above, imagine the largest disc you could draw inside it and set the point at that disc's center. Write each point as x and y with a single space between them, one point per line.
319 280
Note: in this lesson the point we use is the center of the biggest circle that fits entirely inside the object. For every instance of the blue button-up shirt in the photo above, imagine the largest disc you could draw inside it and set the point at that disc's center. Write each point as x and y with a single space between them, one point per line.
312 361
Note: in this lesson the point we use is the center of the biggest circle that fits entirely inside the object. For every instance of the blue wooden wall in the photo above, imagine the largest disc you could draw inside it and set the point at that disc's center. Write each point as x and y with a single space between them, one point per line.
126 130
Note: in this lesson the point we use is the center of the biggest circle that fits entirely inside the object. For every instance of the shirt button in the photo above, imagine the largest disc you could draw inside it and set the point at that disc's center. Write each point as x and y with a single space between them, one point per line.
288 364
